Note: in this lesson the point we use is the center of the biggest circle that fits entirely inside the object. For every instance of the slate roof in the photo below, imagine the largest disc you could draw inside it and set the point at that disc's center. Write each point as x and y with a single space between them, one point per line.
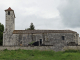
41 31
9 9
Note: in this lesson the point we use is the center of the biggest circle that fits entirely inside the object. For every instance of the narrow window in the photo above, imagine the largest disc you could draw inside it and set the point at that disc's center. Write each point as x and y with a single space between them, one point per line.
41 41
62 37
8 12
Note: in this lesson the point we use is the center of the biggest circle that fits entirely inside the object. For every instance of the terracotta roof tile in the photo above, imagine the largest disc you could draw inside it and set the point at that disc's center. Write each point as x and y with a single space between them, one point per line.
41 31
9 9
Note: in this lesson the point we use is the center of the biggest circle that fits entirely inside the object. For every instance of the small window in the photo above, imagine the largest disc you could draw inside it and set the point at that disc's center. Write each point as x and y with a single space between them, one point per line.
62 37
8 12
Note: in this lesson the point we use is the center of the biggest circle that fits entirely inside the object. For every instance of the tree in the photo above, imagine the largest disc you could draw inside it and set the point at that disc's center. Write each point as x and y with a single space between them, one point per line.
1 33
31 27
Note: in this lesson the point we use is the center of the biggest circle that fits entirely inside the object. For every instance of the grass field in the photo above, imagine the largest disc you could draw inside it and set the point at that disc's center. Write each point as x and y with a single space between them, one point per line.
39 55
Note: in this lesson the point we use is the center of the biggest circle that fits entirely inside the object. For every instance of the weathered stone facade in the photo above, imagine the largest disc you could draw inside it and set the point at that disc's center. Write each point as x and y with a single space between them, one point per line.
56 38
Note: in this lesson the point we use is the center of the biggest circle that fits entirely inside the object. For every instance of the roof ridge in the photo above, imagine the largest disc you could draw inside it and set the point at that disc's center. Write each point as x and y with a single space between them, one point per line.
42 31
9 9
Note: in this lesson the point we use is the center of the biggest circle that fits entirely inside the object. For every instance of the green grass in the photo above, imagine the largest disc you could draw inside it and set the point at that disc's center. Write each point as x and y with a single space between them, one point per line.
39 55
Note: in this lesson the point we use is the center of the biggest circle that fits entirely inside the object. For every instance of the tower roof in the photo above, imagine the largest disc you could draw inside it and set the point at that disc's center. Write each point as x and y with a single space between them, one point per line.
9 9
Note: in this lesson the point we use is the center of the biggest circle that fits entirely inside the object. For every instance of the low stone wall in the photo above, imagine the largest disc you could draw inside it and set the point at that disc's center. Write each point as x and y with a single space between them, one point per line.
71 48
27 48
41 48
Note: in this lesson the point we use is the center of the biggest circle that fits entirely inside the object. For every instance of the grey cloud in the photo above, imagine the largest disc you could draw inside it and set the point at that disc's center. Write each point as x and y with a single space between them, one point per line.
70 13
40 23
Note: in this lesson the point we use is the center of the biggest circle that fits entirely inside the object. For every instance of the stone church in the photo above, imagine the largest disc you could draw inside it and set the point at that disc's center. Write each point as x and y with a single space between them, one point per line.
12 37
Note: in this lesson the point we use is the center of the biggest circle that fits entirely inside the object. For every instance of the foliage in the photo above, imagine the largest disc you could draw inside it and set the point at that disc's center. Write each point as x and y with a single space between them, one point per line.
32 27
5 50
1 33
38 55
31 42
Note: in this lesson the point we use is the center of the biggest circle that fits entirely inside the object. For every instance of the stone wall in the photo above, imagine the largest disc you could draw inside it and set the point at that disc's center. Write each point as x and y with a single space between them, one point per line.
32 48
54 39
47 38
79 41
27 48
71 48
41 48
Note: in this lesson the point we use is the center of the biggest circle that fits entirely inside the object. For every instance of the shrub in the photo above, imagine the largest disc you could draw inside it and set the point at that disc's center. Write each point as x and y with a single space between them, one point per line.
5 50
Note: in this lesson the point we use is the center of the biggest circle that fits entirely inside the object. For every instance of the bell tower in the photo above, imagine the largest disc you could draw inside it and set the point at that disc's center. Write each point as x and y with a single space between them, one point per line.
10 20
9 27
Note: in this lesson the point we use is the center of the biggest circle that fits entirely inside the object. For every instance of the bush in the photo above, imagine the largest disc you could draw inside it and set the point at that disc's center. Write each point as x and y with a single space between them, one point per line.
31 42
5 50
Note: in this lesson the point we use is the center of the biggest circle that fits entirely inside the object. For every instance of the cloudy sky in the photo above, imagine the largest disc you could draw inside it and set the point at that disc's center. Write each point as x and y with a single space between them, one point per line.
44 14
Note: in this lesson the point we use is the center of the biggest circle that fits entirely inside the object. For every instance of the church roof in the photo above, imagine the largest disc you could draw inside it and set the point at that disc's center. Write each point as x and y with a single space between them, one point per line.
41 31
9 9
